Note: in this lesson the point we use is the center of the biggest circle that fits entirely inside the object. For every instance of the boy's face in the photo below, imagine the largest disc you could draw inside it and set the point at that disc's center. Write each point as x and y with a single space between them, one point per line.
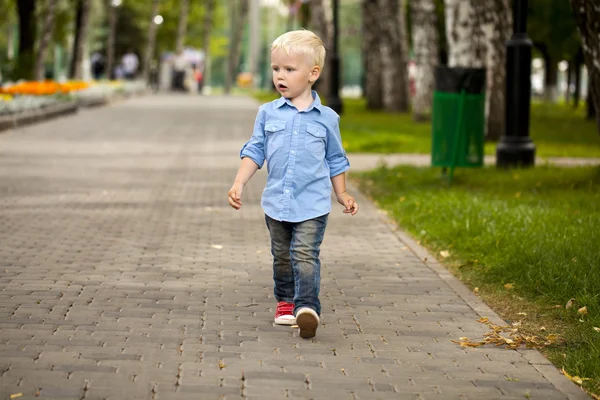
292 74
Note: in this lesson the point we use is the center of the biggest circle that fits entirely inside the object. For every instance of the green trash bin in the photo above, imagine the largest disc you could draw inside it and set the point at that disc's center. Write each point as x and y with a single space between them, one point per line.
458 118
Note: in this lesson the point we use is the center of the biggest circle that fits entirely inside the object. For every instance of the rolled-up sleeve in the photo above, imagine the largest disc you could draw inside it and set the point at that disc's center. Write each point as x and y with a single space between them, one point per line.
255 147
335 155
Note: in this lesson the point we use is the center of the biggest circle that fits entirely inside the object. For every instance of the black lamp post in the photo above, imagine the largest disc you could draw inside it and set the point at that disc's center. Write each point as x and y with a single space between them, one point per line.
515 148
334 101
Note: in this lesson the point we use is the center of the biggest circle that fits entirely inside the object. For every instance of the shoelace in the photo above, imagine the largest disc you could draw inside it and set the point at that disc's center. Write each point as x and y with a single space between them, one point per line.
285 308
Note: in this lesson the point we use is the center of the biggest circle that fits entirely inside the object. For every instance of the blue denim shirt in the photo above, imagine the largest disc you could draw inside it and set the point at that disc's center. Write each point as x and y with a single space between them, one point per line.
303 151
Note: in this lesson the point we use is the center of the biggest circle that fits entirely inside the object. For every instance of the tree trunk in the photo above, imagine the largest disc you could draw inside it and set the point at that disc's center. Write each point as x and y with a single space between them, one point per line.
550 79
240 18
206 34
476 32
393 56
231 5
151 41
45 40
10 37
587 15
110 45
27 31
500 20
425 46
373 89
466 44
569 80
550 73
182 28
81 31
321 23
578 65
591 105
304 15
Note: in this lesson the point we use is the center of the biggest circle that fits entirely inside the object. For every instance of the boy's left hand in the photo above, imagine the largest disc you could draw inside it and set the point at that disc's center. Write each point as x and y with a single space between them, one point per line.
351 206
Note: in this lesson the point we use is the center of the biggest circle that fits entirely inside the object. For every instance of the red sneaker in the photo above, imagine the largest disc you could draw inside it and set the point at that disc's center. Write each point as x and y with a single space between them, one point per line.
285 313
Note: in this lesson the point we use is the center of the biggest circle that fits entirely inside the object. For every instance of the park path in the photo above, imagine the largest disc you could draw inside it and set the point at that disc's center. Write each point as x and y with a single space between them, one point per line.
365 162
124 274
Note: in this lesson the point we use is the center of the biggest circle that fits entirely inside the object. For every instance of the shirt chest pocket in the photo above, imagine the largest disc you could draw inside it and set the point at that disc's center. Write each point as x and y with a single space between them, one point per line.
315 140
274 134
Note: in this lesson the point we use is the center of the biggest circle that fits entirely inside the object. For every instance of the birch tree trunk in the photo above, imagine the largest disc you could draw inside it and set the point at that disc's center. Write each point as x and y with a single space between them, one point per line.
466 46
393 56
587 14
321 23
425 45
182 28
45 40
371 50
476 32
110 45
151 40
499 15
206 34
240 18
82 25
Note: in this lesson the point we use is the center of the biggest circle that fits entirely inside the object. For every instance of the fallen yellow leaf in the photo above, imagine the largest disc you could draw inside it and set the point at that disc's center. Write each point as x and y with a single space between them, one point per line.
597 329
509 286
583 310
445 253
575 378
522 313
217 246
476 290
221 364
543 328
14 396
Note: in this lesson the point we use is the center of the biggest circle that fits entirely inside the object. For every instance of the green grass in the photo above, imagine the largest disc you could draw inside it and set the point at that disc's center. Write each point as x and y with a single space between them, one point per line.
557 130
536 229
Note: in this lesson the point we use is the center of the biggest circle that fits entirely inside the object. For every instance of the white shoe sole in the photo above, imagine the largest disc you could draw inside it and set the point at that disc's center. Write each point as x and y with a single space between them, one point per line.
308 322
285 321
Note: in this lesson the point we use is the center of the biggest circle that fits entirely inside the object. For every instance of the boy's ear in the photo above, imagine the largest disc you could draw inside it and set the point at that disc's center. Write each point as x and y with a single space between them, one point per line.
315 72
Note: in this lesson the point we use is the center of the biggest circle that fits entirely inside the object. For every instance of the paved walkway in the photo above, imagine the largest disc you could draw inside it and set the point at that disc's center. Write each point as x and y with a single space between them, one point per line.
365 162
124 274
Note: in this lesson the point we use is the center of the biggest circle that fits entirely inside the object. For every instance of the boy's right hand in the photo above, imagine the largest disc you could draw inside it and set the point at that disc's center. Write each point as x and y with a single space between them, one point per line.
235 195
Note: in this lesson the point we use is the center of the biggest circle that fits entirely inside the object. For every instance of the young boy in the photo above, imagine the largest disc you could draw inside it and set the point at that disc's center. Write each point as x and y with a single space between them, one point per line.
300 140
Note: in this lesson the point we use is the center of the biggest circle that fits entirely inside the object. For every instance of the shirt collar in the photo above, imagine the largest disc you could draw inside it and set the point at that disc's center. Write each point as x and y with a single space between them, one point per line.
315 104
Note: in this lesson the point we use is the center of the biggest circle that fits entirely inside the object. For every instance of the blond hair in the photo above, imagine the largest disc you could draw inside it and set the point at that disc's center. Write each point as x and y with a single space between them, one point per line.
303 42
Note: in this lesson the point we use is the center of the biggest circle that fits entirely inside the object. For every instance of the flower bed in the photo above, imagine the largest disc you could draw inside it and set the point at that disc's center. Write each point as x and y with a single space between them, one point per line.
44 88
27 102
27 96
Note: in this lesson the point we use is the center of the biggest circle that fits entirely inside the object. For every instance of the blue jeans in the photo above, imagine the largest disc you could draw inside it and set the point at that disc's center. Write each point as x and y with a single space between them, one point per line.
295 247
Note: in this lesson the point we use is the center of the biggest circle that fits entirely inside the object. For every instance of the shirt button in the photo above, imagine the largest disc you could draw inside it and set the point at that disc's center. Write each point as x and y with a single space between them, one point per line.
289 171
295 132
287 190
